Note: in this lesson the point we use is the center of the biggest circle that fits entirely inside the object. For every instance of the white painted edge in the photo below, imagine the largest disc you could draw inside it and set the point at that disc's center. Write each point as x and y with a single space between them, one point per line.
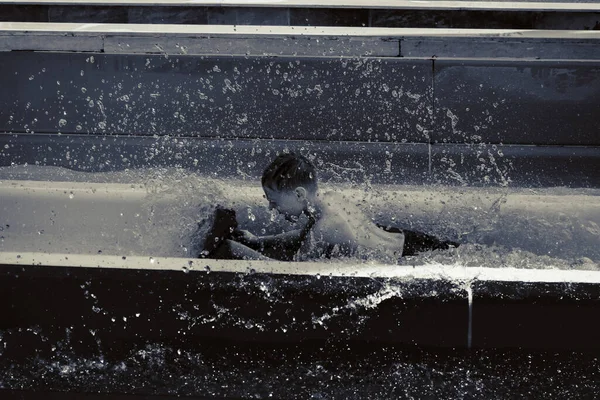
62 29
340 268
361 4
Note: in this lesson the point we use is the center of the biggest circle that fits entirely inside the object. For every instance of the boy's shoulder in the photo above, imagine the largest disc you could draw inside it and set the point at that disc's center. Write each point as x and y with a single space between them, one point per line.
342 207
331 221
339 216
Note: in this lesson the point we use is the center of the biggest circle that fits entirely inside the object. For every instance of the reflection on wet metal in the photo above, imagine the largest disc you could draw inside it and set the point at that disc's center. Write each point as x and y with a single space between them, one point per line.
470 329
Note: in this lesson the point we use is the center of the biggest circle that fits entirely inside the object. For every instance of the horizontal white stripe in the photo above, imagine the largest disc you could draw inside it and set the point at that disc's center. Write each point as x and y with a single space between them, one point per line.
456 272
268 31
376 4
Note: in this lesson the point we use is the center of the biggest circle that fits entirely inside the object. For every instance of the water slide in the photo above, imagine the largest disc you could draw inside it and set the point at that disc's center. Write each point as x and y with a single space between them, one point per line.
122 125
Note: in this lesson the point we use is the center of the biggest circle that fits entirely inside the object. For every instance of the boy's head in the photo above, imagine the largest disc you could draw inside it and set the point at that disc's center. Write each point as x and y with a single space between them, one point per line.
289 182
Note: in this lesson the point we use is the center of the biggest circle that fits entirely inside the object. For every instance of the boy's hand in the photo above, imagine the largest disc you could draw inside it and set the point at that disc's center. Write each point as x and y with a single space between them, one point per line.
245 237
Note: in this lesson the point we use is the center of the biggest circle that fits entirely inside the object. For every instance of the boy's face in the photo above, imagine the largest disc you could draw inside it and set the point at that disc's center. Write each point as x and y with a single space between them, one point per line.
287 202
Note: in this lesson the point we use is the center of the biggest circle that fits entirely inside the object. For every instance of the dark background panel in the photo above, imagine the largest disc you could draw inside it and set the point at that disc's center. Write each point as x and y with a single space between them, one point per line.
318 99
167 15
24 13
302 16
517 102
329 17
453 19
82 13
535 315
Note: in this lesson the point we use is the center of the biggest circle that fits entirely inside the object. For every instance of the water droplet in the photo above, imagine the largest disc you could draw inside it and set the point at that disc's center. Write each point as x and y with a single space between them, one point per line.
137 315
207 269
62 122
185 269
151 260
71 195
318 276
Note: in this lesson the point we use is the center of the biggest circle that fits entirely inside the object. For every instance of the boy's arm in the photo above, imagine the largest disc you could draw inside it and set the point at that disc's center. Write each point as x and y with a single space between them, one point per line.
244 252
286 237
282 246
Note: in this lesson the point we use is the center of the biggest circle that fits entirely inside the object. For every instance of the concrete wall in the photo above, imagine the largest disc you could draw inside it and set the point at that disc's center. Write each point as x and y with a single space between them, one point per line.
416 121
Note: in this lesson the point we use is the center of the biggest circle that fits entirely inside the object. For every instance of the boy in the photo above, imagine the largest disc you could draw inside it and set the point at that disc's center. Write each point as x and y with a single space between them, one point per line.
335 227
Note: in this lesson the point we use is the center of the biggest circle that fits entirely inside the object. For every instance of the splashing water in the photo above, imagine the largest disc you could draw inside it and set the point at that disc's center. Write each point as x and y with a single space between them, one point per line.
387 291
497 227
